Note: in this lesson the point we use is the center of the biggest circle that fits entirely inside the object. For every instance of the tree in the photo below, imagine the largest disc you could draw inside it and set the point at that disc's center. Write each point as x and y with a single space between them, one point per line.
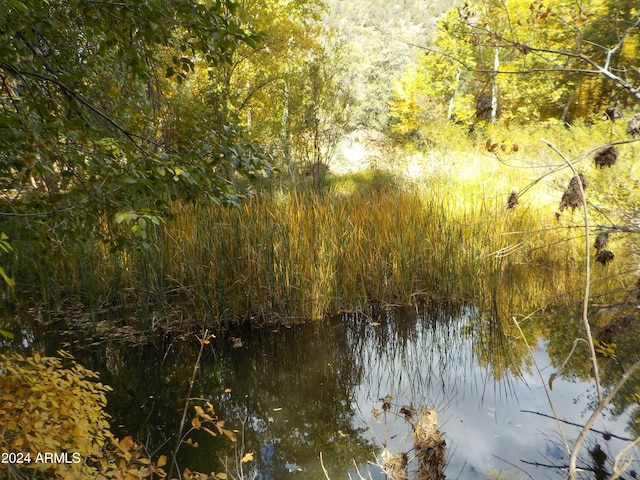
526 61
85 127
578 54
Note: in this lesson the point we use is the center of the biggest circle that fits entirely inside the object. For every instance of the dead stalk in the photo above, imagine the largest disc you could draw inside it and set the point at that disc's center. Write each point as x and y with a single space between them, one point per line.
602 403
587 283
326 474
620 468
594 416
203 341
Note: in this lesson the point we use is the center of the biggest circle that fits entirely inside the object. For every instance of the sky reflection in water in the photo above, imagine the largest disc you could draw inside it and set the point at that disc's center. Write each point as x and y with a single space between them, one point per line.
312 388
482 418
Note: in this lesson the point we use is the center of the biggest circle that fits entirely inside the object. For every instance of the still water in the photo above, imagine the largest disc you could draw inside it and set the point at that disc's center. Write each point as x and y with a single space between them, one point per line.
296 392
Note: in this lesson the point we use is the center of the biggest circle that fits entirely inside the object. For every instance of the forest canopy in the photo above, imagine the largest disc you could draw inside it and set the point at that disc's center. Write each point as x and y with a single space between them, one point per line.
523 61
110 112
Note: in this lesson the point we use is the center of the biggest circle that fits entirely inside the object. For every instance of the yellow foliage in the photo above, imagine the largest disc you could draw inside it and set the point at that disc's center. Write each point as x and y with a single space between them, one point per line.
55 426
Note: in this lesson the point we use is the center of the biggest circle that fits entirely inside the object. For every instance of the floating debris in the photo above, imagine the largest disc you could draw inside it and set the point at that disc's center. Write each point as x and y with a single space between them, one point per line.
395 465
572 197
633 128
386 402
513 199
604 257
606 157
601 240
429 446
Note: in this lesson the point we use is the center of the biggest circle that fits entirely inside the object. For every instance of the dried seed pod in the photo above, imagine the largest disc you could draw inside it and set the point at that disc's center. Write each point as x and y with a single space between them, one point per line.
513 199
601 240
572 197
606 157
614 112
386 402
488 144
604 257
633 128
395 464
408 411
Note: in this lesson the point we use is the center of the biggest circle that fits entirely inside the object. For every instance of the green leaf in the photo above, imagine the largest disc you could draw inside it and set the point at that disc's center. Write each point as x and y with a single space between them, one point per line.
6 334
10 281
125 217
18 5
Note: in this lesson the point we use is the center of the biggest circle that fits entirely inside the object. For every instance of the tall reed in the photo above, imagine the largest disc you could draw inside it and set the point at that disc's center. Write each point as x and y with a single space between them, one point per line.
305 254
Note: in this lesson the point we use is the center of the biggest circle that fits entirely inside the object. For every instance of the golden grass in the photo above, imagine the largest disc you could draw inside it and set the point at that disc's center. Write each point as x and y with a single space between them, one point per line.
443 233
304 255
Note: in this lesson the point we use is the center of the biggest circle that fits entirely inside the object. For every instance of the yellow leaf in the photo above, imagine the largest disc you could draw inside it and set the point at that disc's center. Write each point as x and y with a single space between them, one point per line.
125 444
229 434
192 443
162 461
195 422
248 457
210 432
221 476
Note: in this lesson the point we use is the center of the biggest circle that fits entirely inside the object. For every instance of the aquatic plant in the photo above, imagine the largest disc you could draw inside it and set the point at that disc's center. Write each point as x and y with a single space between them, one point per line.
304 254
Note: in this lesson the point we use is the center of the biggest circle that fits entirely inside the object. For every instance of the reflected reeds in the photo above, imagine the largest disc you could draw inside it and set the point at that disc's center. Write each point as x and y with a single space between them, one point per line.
310 388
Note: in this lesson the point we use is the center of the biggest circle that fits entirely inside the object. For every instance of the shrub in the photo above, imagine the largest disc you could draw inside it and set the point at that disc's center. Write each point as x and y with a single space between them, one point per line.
54 424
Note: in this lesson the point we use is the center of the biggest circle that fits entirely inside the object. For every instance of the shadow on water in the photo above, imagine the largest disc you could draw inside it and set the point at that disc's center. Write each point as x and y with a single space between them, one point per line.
295 392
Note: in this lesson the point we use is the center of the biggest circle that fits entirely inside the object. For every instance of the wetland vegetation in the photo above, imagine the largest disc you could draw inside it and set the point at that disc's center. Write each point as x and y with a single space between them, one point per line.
276 229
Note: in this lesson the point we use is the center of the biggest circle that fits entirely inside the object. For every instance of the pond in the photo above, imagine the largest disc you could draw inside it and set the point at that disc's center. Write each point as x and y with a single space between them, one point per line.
341 388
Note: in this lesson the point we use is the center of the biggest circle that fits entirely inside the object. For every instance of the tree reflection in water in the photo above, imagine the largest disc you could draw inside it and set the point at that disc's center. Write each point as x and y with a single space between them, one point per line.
293 392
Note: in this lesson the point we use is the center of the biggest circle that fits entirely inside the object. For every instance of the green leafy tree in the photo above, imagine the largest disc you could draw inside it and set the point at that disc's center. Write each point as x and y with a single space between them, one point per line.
85 127
525 61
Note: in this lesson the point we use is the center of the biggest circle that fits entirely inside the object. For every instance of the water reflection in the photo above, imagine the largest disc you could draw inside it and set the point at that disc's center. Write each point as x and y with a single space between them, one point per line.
295 392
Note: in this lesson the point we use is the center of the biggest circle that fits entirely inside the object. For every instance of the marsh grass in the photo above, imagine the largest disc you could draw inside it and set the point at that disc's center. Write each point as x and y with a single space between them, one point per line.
302 253
306 254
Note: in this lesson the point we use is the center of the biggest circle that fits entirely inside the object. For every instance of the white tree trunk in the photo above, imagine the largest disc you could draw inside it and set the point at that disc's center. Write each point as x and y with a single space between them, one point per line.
494 89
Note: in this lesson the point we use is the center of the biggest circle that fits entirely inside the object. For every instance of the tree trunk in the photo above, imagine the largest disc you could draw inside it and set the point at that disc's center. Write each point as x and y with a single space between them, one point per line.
494 88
